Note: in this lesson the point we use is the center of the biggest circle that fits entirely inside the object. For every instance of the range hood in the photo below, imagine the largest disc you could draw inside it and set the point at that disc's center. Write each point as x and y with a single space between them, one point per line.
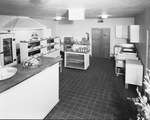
23 23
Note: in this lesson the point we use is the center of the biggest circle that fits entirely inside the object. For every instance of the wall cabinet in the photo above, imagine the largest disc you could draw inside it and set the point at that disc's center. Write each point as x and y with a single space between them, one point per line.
133 33
121 31
77 60
47 47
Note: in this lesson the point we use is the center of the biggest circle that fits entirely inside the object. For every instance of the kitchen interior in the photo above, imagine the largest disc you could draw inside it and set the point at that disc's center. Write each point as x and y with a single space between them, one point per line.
52 49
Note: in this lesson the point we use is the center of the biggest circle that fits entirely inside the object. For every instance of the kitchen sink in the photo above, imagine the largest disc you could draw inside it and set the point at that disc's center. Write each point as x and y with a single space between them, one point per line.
7 72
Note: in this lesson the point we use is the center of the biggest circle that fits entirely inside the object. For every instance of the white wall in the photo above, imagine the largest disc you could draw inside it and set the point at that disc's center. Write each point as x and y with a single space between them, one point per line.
49 23
77 29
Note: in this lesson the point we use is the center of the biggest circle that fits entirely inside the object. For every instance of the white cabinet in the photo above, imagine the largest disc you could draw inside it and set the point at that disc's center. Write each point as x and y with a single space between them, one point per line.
33 98
48 47
77 60
121 31
134 33
133 72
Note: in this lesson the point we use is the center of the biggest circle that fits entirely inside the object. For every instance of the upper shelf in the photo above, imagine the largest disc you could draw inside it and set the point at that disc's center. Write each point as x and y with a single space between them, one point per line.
80 44
38 40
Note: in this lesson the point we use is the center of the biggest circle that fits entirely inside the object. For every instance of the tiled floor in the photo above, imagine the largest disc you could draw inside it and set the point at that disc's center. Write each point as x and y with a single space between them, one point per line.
94 94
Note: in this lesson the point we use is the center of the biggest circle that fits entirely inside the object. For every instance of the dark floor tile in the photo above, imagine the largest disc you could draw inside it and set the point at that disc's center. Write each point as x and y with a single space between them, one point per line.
83 106
70 117
58 114
89 107
81 110
76 108
88 112
96 93
79 115
85 116
73 113
64 116
67 111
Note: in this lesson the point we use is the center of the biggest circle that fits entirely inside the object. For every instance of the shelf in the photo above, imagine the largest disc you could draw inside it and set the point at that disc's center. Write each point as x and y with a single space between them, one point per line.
75 60
52 44
75 57
36 49
39 47
120 71
38 40
80 44
75 65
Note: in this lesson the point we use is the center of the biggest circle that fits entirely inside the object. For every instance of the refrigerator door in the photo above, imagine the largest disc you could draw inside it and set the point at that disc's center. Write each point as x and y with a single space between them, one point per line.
7 50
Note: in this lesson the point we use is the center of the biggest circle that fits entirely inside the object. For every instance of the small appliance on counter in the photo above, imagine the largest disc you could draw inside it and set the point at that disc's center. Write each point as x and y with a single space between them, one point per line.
68 42
128 48
124 48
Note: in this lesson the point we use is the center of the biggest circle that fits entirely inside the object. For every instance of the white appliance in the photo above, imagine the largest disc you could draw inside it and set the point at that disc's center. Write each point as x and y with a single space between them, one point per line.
7 49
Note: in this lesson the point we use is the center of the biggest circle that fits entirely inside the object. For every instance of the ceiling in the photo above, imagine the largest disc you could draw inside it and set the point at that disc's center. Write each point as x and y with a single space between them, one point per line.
93 8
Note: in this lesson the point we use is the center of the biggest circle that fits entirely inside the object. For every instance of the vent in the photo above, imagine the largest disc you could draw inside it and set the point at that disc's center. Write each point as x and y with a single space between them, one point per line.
76 14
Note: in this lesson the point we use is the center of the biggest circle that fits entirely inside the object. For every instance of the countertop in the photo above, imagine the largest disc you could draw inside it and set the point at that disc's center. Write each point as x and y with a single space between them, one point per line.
77 52
24 73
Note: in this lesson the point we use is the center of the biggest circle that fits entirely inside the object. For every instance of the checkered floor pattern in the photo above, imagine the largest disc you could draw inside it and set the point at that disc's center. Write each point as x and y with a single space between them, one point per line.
95 93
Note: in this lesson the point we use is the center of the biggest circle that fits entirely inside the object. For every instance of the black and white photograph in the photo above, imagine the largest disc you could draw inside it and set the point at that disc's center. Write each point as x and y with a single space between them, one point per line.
75 59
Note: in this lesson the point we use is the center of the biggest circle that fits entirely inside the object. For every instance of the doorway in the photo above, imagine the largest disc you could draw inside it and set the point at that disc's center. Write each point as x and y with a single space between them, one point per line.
101 42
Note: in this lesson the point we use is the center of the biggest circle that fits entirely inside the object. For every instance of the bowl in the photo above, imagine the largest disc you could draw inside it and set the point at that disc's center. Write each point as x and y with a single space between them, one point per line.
7 72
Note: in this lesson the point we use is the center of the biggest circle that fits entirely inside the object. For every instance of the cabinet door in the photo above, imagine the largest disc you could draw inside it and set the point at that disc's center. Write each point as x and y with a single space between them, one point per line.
119 29
134 33
125 32
134 72
122 31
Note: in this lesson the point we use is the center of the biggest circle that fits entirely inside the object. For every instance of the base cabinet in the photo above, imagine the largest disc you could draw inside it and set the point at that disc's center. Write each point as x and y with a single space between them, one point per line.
134 72
33 98
77 60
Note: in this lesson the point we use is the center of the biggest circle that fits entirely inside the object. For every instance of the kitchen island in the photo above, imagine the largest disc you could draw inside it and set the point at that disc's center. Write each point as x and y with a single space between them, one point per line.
77 60
32 92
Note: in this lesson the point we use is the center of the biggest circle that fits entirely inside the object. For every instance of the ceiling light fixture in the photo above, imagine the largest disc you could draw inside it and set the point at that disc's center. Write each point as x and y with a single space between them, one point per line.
58 18
104 16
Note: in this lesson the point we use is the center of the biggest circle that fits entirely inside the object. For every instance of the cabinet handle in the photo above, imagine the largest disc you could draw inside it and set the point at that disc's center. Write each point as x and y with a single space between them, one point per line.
14 59
1 52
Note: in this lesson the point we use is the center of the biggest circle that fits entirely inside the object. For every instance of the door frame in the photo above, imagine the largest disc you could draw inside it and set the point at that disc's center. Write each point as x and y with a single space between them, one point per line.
147 48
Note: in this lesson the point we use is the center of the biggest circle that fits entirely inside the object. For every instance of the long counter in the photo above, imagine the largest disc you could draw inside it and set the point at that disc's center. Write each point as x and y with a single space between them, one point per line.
25 73
32 92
